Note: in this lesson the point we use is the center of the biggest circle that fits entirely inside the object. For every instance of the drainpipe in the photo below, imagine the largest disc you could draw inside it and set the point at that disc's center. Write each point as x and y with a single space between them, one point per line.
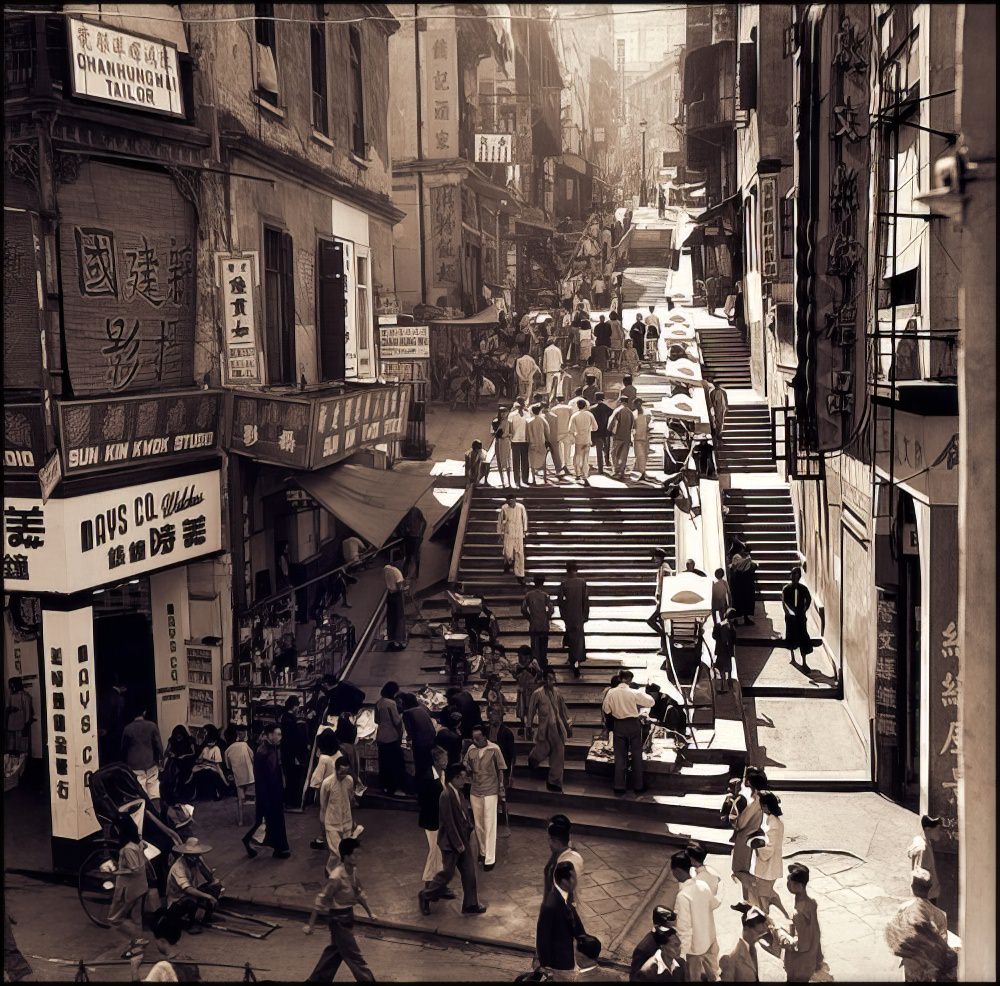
420 152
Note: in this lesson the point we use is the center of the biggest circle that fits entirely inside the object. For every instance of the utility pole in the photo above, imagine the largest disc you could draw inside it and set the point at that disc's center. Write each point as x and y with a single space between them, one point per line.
420 153
642 176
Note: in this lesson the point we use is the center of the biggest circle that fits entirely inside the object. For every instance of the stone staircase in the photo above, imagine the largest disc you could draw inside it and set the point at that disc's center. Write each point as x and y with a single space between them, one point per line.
609 532
747 444
642 286
764 518
725 355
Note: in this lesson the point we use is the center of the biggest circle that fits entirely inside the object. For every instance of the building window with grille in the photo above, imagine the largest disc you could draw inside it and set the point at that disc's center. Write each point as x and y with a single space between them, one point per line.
357 104
364 316
317 48
787 228
267 52
279 306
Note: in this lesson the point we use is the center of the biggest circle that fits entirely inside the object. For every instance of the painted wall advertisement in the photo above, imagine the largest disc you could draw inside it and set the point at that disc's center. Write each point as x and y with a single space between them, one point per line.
65 546
128 286
71 708
242 357
107 433
131 70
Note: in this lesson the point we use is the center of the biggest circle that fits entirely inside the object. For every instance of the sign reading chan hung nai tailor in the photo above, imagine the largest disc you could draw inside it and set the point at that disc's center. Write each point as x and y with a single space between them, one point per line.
126 69
405 341
68 545
242 356
105 434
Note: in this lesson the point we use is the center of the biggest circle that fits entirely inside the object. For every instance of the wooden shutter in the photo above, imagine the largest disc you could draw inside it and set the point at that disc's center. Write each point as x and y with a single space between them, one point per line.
331 309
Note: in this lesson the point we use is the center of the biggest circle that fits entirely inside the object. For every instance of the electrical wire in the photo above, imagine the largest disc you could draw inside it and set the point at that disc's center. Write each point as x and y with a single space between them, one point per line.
389 18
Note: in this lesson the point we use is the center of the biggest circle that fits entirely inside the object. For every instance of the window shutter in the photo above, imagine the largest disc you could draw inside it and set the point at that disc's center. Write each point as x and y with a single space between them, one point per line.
288 308
748 76
331 309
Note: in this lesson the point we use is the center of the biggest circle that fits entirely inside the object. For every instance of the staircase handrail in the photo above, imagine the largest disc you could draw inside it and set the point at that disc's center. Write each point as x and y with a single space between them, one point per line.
463 522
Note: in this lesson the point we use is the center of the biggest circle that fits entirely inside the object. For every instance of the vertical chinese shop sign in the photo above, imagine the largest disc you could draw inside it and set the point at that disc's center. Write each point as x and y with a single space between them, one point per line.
440 88
241 355
71 711
128 284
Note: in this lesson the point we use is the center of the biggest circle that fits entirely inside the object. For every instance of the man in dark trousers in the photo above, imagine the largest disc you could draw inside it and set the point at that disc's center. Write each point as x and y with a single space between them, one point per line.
537 608
294 751
559 925
342 891
413 527
458 844
574 608
270 787
601 437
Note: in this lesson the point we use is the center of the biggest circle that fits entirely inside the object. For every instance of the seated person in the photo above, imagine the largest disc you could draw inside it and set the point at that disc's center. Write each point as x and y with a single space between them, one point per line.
192 892
670 714
480 625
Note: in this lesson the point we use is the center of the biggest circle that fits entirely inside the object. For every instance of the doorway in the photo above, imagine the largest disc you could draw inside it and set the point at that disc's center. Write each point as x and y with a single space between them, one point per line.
125 665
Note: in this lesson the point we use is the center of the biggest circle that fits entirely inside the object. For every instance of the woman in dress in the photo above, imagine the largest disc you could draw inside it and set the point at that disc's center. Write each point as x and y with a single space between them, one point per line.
743 585
501 439
746 826
768 855
724 633
586 341
652 344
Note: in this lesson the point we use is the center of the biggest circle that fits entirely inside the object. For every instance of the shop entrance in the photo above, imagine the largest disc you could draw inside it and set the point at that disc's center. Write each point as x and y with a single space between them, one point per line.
124 663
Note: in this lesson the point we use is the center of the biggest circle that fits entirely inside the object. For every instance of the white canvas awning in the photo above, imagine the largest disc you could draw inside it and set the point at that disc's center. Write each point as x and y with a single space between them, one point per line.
678 332
693 408
686 596
682 370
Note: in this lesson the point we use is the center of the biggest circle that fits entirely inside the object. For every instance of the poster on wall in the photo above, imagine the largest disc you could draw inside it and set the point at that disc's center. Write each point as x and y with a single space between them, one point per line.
405 341
128 285
105 434
71 729
65 546
242 356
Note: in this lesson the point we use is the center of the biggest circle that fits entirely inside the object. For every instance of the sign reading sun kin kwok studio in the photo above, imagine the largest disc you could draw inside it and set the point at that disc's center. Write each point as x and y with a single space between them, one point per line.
67 545
126 69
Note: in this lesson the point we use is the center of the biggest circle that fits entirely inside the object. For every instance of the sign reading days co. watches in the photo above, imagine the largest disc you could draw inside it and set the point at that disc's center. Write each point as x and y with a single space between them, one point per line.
65 546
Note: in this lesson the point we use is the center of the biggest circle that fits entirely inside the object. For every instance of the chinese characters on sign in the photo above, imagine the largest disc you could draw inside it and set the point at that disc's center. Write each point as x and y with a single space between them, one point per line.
113 66
886 671
128 299
405 341
238 275
494 148
441 91
99 434
768 227
68 545
309 435
23 437
950 748
71 704
446 235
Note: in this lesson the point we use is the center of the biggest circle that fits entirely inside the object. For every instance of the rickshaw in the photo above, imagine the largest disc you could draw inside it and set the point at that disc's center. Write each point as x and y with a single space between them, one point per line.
114 790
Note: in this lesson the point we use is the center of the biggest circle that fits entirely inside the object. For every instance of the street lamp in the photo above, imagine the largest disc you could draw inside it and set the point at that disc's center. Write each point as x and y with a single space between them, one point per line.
642 177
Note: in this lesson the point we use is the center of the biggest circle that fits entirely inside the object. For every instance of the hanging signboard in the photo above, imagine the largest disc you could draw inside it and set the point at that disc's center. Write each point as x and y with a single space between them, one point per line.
65 546
494 148
126 69
242 357
105 434
345 424
71 709
405 341
885 671
23 437
50 475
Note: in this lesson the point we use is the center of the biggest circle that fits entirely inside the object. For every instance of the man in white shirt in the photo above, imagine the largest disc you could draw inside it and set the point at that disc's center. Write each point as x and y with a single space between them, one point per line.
700 871
552 362
486 766
582 425
921 852
512 525
518 421
525 369
694 907
352 548
640 437
622 703
559 415
652 318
